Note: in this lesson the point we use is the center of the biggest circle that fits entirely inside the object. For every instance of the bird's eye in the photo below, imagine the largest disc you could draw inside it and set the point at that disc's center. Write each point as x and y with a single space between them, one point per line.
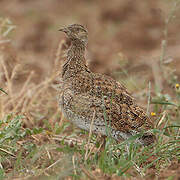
77 30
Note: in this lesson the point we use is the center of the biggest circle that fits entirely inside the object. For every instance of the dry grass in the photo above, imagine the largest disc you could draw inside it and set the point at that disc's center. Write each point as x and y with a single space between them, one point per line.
38 143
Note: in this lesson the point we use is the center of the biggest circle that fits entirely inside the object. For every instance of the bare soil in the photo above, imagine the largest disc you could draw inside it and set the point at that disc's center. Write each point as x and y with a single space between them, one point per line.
122 35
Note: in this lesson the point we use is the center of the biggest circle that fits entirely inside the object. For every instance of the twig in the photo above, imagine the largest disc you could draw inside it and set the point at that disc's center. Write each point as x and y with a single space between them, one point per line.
52 164
157 73
34 137
73 161
90 175
162 118
10 28
9 84
138 169
5 41
69 141
3 91
14 71
1 167
90 133
3 150
49 156
149 97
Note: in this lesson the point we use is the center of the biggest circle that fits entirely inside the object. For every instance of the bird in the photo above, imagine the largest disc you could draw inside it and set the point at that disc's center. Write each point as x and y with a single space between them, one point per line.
93 97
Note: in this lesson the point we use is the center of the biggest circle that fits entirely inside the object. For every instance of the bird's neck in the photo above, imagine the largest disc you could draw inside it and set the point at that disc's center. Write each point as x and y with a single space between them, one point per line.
75 62
76 50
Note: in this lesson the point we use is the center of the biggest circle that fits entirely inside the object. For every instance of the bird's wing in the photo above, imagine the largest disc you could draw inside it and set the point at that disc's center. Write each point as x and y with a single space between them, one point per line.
121 108
111 101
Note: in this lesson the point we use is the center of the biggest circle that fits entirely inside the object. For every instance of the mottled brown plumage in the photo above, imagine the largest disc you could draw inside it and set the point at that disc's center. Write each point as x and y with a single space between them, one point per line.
86 94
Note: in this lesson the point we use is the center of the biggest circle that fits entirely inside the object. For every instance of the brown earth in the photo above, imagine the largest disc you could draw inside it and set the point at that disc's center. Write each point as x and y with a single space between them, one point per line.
122 35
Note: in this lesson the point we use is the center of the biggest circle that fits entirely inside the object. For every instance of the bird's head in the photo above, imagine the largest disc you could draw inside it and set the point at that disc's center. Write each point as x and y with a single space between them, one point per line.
76 32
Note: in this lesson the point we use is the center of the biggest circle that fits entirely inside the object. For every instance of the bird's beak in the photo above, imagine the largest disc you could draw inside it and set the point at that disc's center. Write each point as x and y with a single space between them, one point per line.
65 30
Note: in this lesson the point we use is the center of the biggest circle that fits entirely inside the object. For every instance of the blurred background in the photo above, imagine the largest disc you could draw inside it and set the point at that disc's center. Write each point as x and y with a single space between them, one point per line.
129 27
125 39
